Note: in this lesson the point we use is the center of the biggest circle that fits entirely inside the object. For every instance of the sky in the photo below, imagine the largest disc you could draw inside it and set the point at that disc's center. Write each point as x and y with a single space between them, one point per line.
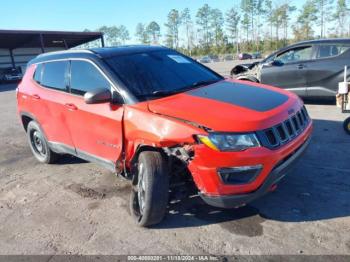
77 15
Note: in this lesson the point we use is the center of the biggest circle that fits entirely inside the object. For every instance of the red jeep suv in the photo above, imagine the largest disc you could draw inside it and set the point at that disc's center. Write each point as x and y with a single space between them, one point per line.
146 112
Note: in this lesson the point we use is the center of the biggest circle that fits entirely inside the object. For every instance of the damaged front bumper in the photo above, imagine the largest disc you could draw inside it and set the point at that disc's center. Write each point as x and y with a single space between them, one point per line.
263 168
230 201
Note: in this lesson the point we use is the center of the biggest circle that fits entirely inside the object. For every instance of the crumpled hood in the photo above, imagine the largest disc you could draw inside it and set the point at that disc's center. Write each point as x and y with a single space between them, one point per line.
230 106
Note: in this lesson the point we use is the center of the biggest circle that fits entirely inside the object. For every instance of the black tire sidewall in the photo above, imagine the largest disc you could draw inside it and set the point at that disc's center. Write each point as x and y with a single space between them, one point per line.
156 189
31 128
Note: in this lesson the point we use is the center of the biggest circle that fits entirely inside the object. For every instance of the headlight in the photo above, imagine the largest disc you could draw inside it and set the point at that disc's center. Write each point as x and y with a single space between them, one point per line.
229 142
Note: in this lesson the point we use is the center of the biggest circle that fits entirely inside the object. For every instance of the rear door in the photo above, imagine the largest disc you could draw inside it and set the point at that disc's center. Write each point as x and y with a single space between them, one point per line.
96 129
326 71
51 78
288 69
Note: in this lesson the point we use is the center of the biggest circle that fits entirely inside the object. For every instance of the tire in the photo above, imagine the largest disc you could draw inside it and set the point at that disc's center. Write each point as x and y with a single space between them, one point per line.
39 145
150 190
346 125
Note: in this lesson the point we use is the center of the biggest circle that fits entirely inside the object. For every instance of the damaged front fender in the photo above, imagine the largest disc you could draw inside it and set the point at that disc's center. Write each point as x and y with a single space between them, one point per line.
144 128
250 72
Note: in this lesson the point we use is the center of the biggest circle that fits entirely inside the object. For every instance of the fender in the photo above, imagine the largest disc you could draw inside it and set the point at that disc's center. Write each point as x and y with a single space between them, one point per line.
239 69
144 128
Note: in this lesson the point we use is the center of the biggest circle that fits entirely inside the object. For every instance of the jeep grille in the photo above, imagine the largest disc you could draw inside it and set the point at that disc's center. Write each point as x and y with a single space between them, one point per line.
286 131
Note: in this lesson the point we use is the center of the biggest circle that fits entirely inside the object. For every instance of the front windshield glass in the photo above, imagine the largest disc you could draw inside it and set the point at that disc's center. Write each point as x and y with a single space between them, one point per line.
159 72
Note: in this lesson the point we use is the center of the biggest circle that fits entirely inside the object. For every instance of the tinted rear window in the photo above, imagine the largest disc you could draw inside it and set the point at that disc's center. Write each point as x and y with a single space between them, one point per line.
37 74
331 50
165 70
54 75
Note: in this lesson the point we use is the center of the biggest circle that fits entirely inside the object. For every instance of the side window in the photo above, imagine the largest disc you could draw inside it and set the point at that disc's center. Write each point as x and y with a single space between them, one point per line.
296 54
38 73
86 77
54 75
325 51
269 59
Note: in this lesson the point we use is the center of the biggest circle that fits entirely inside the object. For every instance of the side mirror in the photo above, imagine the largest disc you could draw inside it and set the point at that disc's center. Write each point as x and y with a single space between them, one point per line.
117 98
99 95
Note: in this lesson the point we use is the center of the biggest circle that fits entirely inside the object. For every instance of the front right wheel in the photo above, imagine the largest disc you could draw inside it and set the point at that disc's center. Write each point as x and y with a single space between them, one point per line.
150 190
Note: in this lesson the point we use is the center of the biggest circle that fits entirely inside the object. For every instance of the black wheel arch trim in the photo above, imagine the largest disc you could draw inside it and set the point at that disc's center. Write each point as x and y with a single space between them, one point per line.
30 115
27 114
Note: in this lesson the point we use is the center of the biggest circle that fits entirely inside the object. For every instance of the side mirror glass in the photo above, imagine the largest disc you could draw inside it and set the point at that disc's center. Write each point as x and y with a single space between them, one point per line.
99 95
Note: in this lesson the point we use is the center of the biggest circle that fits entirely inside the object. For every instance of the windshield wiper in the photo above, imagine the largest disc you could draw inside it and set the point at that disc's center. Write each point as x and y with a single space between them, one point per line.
173 92
165 92
203 83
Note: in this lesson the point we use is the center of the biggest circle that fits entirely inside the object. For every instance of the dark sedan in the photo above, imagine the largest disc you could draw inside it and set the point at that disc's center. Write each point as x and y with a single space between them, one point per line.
310 68
244 56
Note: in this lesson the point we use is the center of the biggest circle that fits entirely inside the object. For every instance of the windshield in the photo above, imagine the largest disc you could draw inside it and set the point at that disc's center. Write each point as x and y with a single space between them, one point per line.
159 73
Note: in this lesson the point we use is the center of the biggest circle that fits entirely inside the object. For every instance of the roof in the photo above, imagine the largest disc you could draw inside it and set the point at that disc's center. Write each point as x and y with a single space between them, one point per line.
310 42
328 40
12 39
125 50
103 52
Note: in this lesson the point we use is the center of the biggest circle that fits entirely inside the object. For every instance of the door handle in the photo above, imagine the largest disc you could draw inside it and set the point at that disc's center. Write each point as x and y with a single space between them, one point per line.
36 97
71 107
301 66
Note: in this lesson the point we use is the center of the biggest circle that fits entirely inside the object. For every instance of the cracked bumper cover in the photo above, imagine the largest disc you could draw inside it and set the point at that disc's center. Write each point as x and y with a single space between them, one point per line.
230 201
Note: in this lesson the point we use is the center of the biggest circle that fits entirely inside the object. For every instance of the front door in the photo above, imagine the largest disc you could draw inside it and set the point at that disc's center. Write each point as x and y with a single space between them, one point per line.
289 69
96 129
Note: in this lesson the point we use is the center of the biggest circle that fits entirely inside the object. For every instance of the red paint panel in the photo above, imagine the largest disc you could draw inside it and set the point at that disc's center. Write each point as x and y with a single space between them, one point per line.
95 128
221 116
49 110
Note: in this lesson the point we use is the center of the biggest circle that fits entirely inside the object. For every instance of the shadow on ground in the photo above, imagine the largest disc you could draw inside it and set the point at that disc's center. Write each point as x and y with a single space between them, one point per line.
318 188
328 101
70 160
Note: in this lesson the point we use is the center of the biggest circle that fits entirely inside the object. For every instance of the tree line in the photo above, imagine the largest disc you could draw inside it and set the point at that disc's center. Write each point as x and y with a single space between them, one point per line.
250 25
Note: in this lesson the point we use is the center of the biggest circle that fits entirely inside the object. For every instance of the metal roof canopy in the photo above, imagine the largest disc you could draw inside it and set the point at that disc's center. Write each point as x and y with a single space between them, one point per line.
12 39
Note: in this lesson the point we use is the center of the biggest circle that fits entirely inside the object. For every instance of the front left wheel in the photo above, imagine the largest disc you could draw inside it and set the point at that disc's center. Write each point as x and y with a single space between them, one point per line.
39 145
150 190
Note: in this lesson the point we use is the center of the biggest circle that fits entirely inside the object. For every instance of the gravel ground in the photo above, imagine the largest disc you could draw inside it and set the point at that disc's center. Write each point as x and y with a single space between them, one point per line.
76 207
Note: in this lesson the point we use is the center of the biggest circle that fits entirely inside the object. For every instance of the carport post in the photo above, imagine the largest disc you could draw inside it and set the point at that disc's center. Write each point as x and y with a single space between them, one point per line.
102 41
12 59
65 44
42 43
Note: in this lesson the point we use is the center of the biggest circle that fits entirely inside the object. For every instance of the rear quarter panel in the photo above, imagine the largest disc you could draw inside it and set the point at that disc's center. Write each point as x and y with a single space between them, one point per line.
47 111
326 73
